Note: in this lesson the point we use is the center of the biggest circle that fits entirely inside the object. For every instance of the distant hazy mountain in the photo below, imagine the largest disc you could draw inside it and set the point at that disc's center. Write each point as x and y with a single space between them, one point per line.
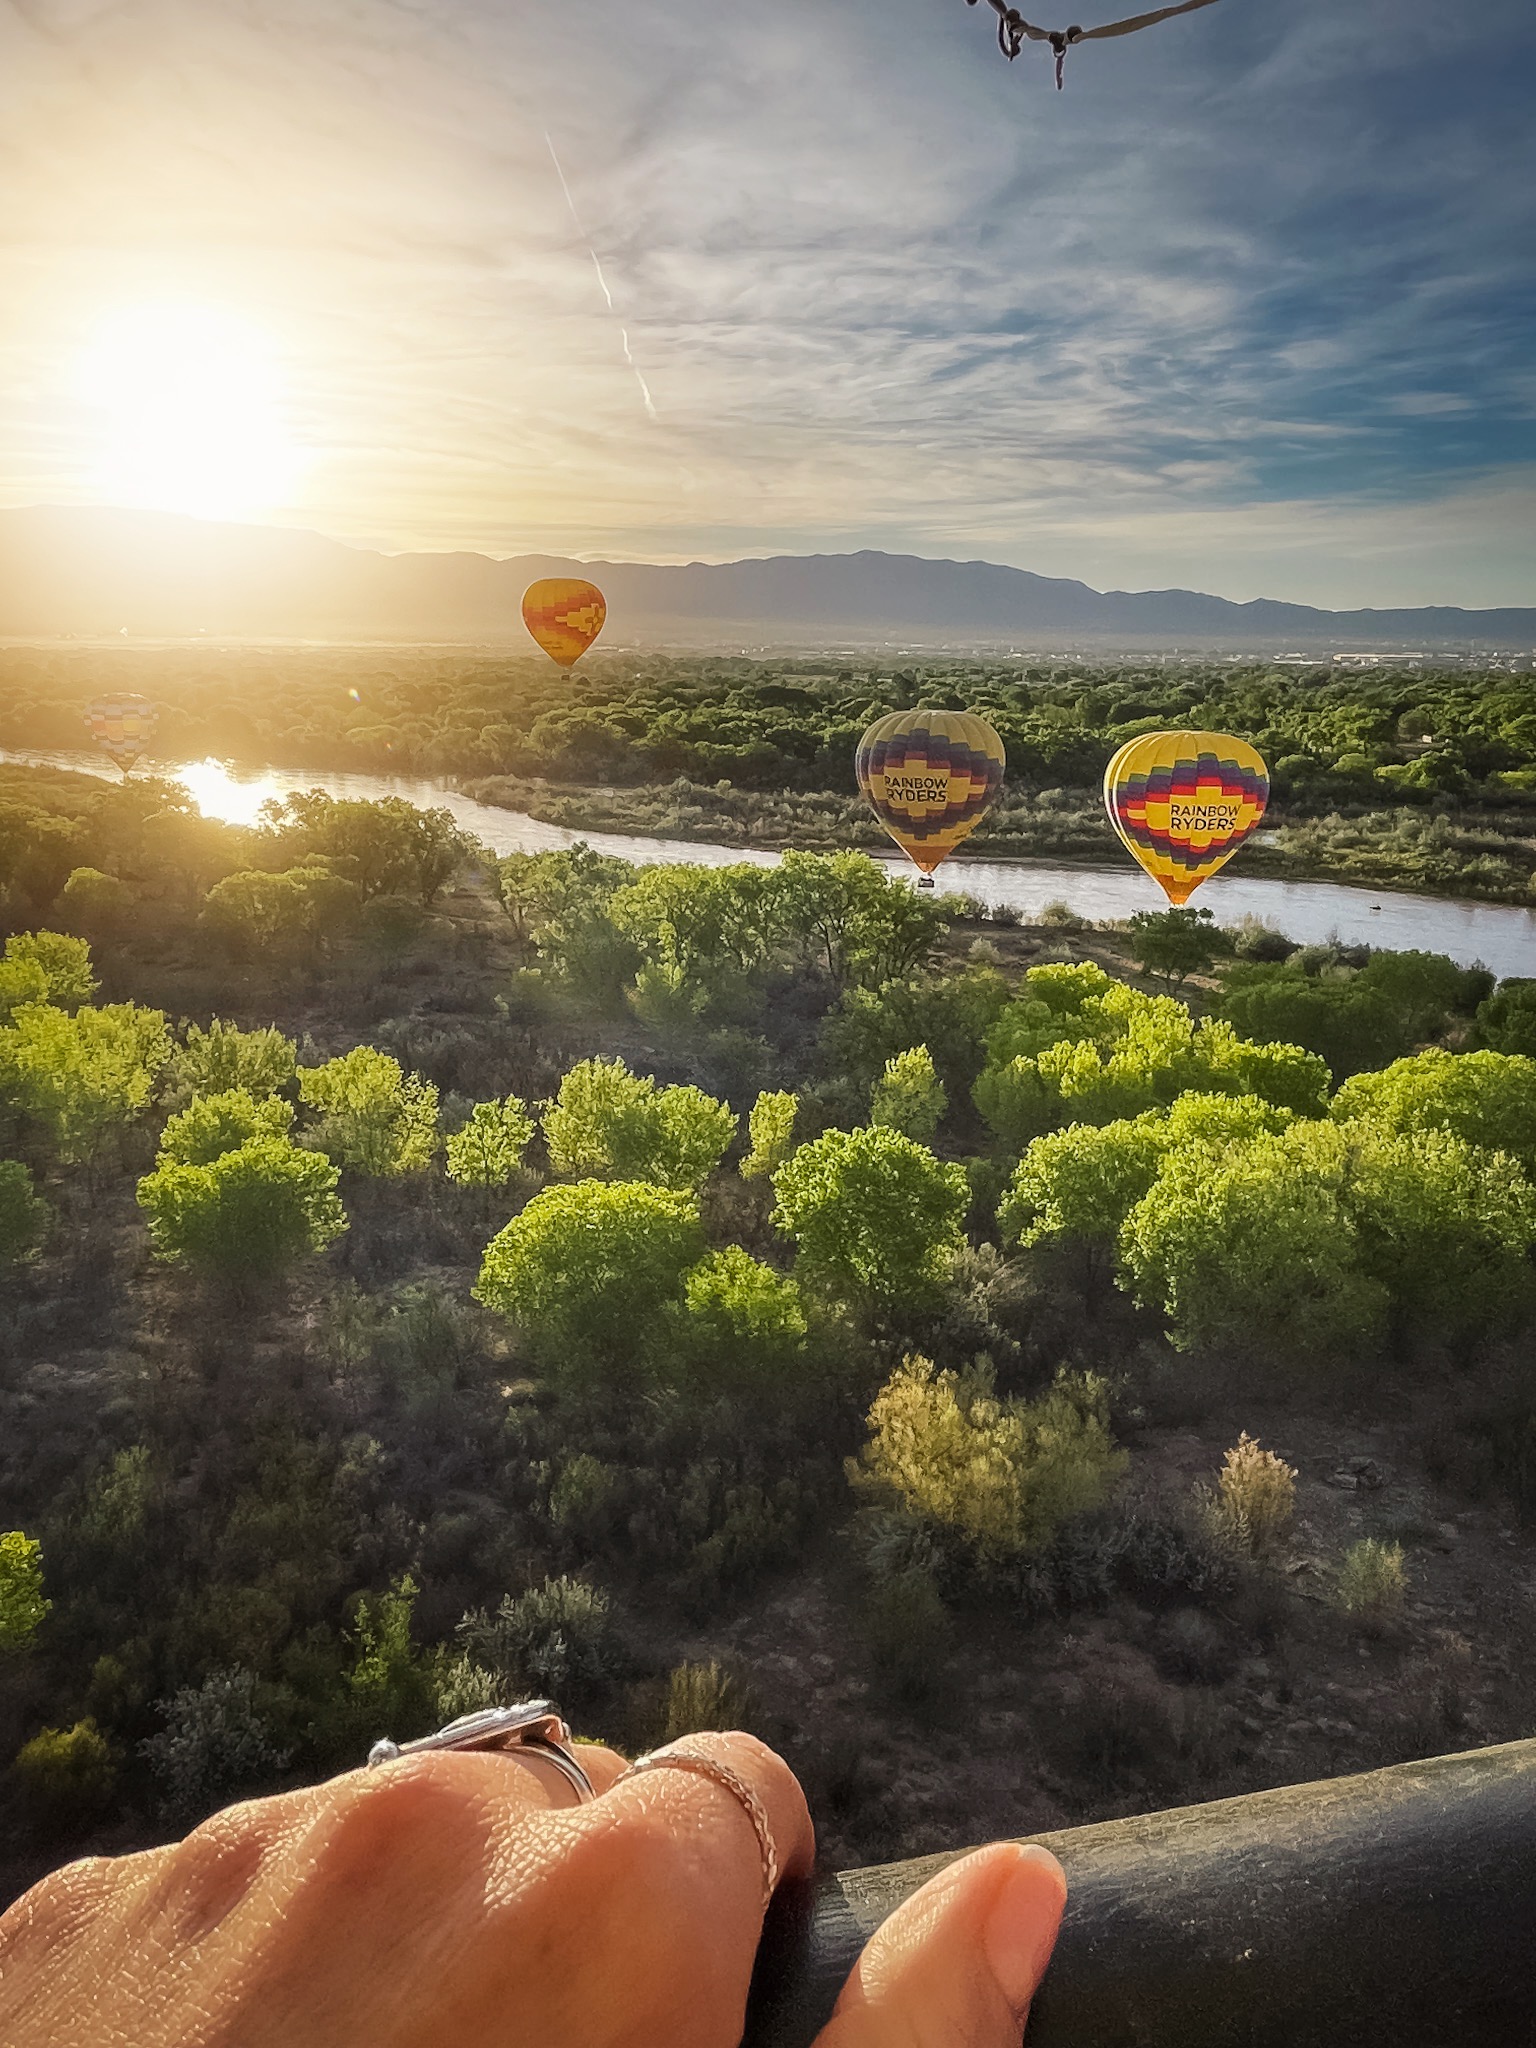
94 573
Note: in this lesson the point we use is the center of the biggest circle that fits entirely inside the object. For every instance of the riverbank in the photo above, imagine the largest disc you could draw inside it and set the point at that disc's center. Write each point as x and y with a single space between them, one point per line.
1406 850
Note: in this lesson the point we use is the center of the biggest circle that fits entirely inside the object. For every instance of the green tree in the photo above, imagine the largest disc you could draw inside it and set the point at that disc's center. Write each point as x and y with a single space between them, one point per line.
64 961
1444 1226
586 1270
23 1609
609 1124
24 1217
391 1683
247 1215
257 916
212 1125
853 919
94 903
487 1151
1003 1475
740 1326
1174 943
875 1216
951 1014
1255 1254
1506 1021
1486 1098
376 1118
1353 1026
224 1057
909 1096
21 982
1077 1186
700 931
67 1773
771 1128
84 1075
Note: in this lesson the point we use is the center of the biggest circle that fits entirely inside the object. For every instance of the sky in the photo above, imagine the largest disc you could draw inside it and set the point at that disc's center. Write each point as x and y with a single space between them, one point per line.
1248 308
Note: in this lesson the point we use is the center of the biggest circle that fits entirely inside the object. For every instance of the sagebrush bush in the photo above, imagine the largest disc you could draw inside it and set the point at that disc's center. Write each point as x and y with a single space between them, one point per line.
1372 1580
703 1697
554 1639
216 1741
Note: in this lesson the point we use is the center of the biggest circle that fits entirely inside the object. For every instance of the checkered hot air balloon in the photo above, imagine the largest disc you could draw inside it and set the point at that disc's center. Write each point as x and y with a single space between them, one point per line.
564 614
1184 802
123 727
930 777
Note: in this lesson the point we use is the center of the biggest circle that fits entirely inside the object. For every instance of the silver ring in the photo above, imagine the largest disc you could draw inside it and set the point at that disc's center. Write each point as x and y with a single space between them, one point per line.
534 1725
729 1781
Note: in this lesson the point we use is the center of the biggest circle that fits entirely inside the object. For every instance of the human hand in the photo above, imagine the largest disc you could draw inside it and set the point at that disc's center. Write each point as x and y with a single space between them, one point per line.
457 1900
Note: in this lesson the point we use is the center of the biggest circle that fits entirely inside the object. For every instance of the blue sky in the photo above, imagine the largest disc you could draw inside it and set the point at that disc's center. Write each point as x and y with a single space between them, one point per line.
1248 307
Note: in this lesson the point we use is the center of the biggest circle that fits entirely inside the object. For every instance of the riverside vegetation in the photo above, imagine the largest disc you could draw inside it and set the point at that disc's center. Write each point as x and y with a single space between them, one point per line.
1099 1360
1399 777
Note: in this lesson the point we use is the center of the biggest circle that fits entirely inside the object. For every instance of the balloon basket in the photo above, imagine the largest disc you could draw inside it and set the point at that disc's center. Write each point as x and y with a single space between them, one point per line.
925 881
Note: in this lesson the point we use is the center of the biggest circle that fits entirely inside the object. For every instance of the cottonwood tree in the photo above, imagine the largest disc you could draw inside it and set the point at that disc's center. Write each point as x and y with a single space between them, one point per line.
875 1216
909 1096
607 1123
375 1117
246 1216
212 1125
585 1271
487 1150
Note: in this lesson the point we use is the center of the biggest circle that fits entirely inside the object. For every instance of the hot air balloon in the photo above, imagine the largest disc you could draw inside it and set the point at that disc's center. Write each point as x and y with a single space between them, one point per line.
930 777
123 727
1184 802
564 614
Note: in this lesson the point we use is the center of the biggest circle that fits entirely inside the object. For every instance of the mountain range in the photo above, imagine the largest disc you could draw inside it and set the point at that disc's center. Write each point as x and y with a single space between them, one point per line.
95 573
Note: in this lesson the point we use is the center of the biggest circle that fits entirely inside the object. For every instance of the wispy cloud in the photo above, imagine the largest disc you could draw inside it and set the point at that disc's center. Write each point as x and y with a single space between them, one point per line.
1247 307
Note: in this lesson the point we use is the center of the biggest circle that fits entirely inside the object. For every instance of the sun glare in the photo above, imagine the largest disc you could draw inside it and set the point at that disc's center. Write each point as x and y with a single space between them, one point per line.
188 404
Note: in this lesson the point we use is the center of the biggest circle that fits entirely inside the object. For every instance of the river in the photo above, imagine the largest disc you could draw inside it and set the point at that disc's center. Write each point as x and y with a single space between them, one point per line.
1495 935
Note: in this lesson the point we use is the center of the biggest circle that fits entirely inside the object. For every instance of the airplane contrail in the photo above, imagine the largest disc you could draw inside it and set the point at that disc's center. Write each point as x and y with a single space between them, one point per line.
645 391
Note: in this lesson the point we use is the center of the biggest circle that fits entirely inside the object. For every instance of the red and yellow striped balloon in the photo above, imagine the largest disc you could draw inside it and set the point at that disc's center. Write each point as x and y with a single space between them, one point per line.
564 614
930 778
122 727
1184 802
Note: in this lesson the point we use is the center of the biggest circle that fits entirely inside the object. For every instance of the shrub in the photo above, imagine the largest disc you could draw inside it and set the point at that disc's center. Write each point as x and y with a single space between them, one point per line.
703 1697
392 1686
909 1096
1255 1496
64 963
771 1128
1003 1475
553 1640
376 1118
23 1608
465 1687
95 903
1372 1581
488 1150
215 1124
905 1629
224 1057
740 1325
67 1772
609 1124
247 1215
215 1742
24 1216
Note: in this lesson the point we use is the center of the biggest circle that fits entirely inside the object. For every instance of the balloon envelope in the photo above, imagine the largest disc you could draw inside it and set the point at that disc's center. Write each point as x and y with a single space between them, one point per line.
564 614
930 777
122 727
1184 802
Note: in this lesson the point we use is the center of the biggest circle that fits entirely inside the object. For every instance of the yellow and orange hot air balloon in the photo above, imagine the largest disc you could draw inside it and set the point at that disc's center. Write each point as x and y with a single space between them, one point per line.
123 727
1184 802
930 777
564 614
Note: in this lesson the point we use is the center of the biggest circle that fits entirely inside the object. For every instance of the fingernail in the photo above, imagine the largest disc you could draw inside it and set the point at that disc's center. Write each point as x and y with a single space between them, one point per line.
1020 1930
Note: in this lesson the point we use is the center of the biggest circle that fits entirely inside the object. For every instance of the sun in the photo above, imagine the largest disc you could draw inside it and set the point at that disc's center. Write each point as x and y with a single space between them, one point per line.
188 413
